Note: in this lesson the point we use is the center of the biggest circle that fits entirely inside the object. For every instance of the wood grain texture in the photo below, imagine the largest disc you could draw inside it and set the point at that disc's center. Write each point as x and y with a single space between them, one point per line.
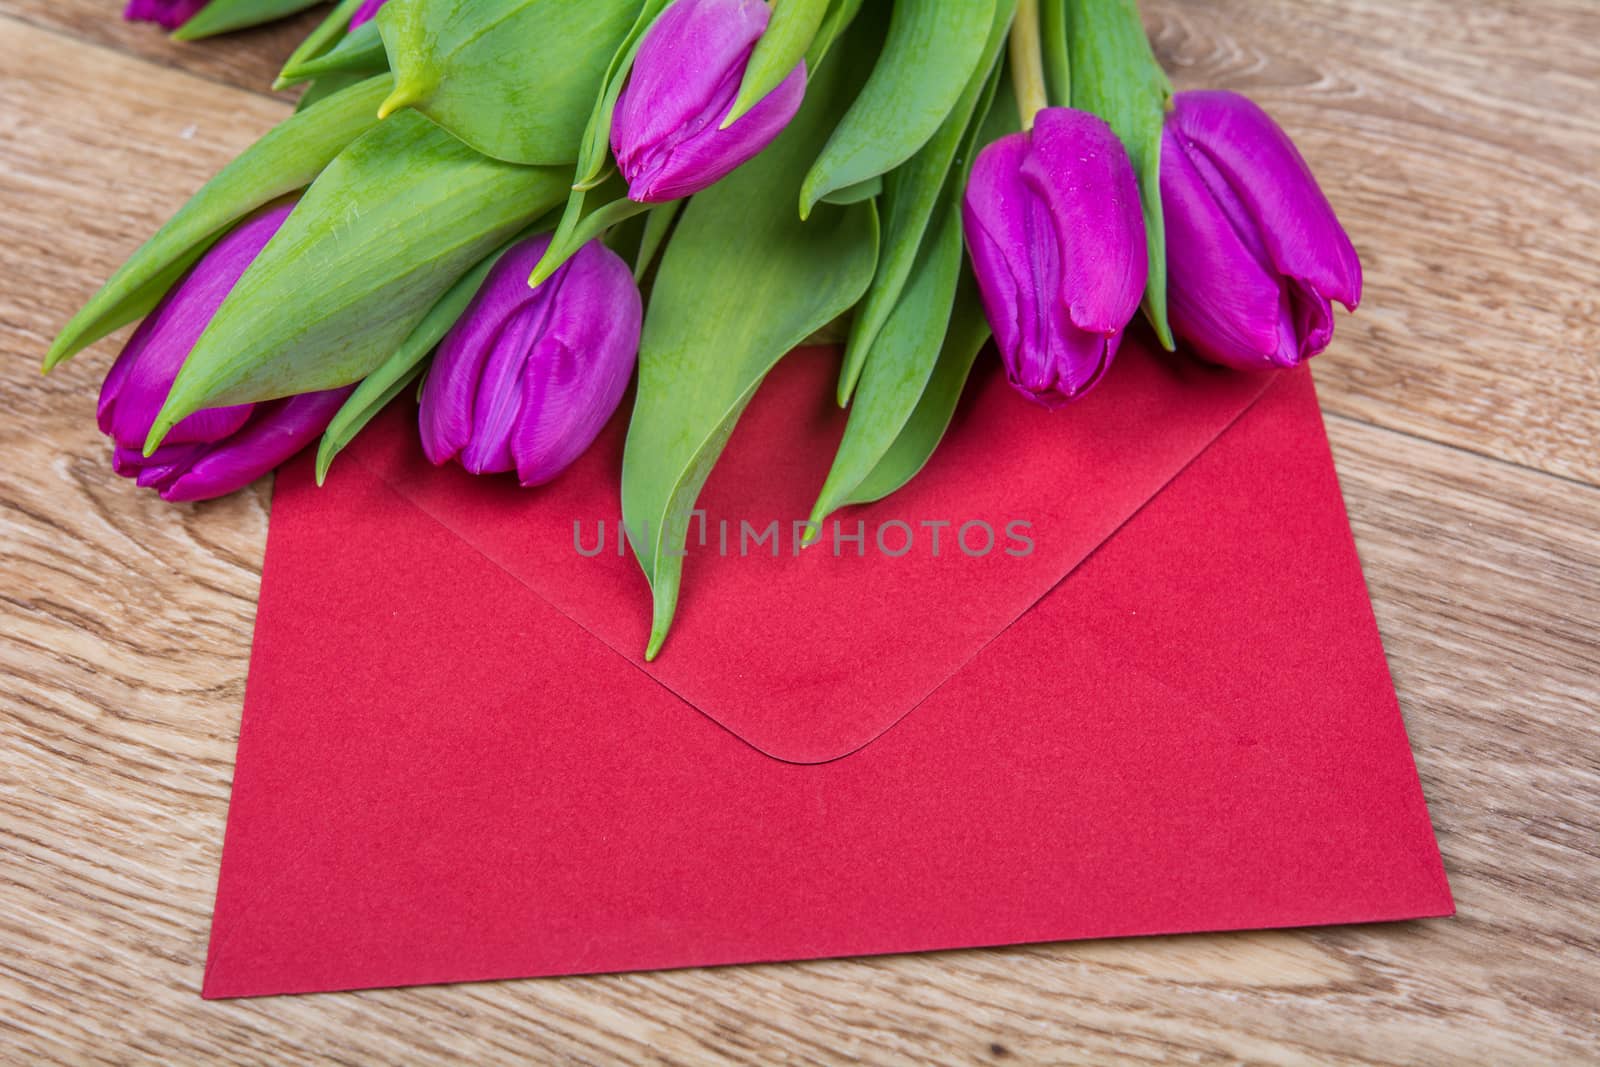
1460 145
249 59
125 622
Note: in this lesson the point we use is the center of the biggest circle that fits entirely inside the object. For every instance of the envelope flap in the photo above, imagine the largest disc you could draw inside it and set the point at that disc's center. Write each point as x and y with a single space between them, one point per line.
809 655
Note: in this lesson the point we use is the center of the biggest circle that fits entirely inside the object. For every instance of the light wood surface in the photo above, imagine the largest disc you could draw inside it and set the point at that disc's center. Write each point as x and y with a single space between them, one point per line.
1461 146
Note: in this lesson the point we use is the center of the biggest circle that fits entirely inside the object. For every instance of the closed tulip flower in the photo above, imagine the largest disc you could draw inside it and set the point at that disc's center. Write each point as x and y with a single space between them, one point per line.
1057 240
1255 254
169 13
213 452
527 378
666 132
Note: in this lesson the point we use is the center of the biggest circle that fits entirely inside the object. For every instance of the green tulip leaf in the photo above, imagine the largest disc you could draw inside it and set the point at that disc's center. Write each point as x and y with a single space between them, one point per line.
389 226
789 34
902 361
515 79
224 16
742 281
326 86
925 428
932 48
656 227
913 191
1116 76
920 358
361 52
286 159
329 32
594 152
1057 58
839 19
870 189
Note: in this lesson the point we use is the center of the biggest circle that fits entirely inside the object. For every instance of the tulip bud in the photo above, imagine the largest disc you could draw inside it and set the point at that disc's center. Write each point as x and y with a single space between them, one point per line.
212 452
666 132
169 13
1254 250
366 12
528 377
1057 240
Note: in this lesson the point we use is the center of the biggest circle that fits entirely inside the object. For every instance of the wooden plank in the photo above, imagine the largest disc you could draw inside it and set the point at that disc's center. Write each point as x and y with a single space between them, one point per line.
1459 144
249 59
124 637
85 183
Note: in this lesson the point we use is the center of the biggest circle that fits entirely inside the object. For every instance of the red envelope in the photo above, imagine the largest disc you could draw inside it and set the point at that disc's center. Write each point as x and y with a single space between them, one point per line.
1137 689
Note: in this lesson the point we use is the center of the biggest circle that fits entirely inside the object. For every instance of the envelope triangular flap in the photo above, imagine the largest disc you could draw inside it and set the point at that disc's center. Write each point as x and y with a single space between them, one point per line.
809 655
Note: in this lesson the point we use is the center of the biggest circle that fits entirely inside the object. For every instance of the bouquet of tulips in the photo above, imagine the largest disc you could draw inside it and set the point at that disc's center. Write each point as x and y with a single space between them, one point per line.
529 200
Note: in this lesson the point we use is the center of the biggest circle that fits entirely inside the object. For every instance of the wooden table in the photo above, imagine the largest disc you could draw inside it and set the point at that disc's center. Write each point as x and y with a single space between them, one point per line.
1461 144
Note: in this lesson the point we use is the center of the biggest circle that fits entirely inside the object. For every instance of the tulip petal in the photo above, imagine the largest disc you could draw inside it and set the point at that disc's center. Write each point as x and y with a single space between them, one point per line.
141 378
665 130
365 13
1270 177
1080 169
499 395
162 468
277 430
1223 298
1057 240
575 379
684 64
685 166
528 377
1313 318
449 395
993 214
170 14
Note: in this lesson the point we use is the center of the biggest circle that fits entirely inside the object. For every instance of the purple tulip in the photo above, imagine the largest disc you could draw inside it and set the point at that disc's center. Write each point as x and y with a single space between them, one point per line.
666 131
169 13
216 451
1057 240
1254 252
527 378
365 13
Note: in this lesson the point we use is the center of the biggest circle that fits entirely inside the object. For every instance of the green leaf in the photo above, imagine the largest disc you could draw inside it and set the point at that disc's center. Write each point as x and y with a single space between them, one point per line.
789 34
870 189
325 87
390 225
902 362
577 229
328 33
840 17
657 225
923 431
742 281
1116 76
913 192
223 16
515 79
932 48
286 159
595 153
1057 60
361 52
402 368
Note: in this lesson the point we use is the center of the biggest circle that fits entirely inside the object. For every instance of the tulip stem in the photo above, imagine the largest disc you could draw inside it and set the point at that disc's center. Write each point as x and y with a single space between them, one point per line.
1027 62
